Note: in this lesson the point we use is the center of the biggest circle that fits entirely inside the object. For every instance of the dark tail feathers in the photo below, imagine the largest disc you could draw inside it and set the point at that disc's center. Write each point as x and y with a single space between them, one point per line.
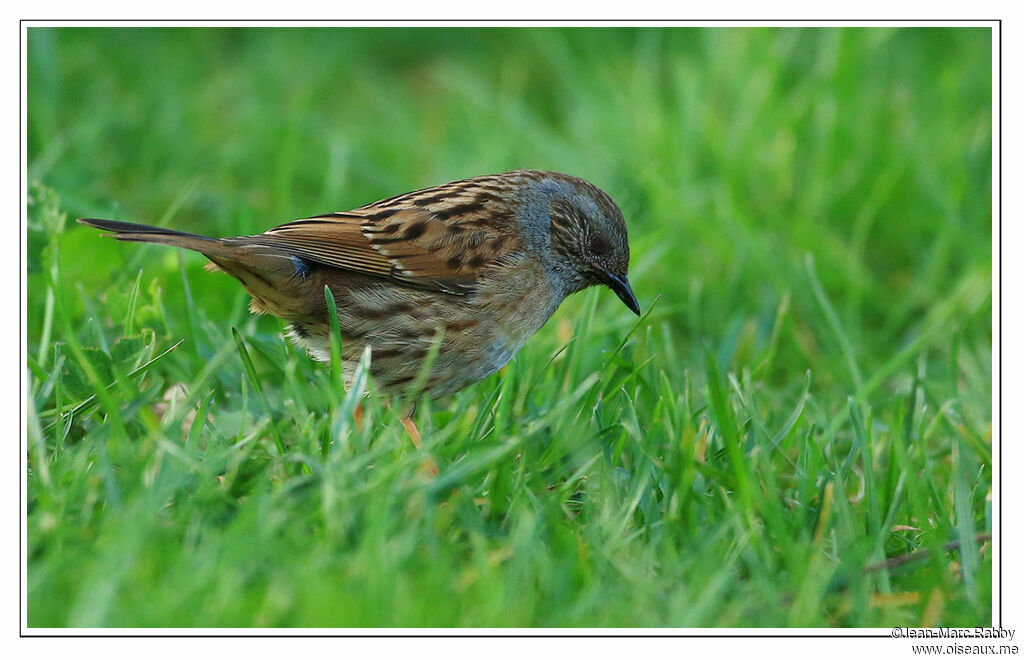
247 252
119 227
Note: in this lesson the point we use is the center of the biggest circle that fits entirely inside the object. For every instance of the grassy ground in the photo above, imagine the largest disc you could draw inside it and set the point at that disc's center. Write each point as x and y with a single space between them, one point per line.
810 392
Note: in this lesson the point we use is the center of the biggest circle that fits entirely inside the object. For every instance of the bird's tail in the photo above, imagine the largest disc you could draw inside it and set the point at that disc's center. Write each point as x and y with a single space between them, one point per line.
267 272
131 231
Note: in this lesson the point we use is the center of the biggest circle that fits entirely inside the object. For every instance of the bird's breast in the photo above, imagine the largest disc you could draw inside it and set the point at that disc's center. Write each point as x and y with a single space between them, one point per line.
486 329
519 299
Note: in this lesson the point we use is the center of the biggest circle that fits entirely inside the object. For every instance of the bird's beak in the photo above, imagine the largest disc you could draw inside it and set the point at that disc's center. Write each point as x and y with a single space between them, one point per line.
620 285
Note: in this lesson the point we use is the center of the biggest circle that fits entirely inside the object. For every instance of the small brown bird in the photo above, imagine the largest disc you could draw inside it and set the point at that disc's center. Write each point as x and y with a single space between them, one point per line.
482 263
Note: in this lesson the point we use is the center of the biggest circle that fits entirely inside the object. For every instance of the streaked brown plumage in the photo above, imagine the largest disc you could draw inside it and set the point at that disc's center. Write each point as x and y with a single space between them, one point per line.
482 263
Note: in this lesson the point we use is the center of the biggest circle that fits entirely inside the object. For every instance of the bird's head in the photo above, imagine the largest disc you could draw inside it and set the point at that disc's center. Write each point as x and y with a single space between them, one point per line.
588 237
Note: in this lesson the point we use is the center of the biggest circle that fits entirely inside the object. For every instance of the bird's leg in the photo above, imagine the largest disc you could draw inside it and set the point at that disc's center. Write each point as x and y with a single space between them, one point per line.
414 434
357 415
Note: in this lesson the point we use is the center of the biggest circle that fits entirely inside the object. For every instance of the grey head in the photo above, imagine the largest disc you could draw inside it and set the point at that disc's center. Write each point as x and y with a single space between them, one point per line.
579 233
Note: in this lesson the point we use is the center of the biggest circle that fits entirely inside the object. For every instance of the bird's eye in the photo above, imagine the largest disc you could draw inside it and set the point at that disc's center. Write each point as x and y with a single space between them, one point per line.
599 246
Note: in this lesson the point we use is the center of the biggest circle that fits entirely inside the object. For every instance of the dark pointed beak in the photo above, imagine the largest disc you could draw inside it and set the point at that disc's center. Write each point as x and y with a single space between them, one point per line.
620 285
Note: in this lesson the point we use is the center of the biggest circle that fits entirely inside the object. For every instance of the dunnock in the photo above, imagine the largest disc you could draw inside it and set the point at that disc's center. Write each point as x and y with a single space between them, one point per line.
485 262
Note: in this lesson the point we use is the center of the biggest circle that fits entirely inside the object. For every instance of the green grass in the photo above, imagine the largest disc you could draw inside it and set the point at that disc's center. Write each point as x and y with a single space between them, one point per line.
809 393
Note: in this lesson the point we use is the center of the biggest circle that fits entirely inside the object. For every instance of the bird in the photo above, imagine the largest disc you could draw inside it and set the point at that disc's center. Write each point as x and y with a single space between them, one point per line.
477 265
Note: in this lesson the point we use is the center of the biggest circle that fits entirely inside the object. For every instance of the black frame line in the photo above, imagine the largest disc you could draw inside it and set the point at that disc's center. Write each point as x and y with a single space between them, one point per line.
999 307
433 23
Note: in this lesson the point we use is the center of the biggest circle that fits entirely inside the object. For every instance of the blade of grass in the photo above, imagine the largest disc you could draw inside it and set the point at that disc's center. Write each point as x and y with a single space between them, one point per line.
834 323
727 427
191 324
337 383
44 335
346 411
129 317
257 386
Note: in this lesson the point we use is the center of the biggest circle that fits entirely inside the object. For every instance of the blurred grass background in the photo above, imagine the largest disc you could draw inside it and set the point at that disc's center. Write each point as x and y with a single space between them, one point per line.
810 217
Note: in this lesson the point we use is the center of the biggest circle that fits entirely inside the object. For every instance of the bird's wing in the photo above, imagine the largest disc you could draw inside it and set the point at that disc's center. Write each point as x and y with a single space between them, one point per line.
439 238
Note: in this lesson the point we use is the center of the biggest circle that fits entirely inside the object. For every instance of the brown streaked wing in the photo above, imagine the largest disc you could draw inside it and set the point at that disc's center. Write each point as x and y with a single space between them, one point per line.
330 240
439 238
